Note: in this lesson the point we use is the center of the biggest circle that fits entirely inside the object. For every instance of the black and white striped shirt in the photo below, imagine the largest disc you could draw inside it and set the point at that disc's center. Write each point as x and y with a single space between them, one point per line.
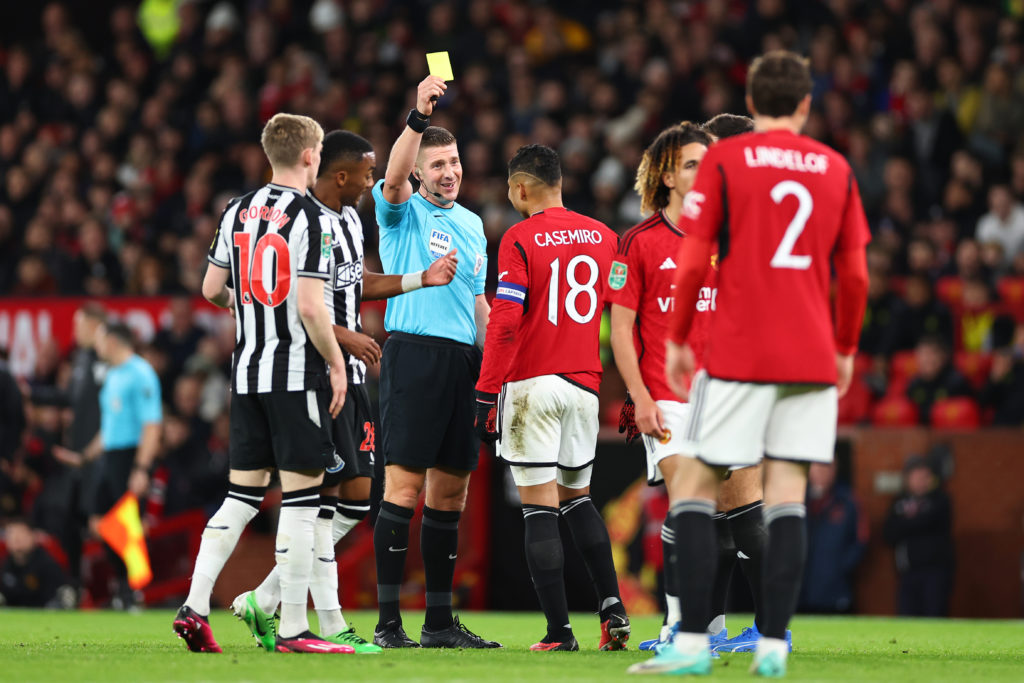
345 297
269 238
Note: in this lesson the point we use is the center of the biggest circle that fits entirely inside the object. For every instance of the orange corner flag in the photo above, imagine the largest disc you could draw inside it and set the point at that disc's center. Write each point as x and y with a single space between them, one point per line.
121 528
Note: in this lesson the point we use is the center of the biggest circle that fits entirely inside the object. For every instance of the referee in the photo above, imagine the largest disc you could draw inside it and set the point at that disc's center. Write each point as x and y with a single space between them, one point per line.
429 369
129 432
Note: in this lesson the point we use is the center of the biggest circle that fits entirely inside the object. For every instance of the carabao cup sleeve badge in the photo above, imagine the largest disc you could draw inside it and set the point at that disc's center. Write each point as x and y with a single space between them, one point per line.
617 276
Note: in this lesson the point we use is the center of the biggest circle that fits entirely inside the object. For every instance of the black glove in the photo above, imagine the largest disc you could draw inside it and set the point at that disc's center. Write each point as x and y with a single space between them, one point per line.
486 417
627 420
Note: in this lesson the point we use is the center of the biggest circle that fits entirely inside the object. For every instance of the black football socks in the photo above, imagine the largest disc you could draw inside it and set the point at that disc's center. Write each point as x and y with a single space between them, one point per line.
590 535
439 544
546 561
390 543
750 537
695 560
783 566
723 573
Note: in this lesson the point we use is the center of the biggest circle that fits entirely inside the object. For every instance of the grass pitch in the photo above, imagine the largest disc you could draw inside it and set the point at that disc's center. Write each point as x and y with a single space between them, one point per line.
113 647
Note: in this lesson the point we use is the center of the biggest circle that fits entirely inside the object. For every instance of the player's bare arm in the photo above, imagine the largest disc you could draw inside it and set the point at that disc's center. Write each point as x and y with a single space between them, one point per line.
441 272
397 188
680 365
215 287
358 345
149 446
316 320
649 419
483 315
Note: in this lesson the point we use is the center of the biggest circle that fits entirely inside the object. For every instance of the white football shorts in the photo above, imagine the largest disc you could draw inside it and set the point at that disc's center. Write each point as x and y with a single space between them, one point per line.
737 423
548 430
675 416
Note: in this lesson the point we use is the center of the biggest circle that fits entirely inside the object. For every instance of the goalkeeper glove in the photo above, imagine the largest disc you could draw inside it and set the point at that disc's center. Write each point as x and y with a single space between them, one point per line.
486 417
627 420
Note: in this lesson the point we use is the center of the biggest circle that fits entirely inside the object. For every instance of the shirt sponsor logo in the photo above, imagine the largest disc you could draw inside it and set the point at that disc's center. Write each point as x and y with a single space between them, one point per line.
787 159
348 274
617 276
707 299
440 243
479 264
561 237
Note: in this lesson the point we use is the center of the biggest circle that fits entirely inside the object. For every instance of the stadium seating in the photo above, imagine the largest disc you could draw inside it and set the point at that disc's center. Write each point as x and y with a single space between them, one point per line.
1011 293
894 411
956 413
902 367
974 365
855 406
950 291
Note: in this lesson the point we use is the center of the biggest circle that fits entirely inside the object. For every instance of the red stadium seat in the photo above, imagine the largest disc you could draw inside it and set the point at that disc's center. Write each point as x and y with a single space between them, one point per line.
1011 293
956 413
855 406
902 367
975 365
894 411
950 290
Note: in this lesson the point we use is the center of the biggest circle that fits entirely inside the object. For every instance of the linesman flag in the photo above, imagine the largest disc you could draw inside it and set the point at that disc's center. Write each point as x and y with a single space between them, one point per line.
121 528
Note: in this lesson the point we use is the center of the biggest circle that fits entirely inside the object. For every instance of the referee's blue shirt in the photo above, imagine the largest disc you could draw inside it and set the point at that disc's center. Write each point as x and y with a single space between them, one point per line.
413 235
129 400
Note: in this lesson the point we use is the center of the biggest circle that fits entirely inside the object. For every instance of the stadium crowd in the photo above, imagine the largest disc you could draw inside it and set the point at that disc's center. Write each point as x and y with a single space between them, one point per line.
121 144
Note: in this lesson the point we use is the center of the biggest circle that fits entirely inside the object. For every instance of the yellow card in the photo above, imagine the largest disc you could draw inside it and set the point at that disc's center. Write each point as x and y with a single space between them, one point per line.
440 65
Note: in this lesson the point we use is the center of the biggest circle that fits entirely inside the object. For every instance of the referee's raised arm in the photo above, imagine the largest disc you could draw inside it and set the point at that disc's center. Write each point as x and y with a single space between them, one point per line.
397 188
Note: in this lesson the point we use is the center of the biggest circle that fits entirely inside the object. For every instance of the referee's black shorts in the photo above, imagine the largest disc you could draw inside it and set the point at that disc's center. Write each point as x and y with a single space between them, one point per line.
287 430
354 437
112 475
428 402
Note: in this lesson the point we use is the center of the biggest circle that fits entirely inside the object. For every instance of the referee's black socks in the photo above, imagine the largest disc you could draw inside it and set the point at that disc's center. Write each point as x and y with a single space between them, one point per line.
783 566
590 535
546 562
746 524
390 543
439 544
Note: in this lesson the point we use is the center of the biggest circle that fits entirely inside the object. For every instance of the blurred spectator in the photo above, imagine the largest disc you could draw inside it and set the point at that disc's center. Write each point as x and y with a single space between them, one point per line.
1003 393
837 534
31 577
1003 224
12 426
936 377
919 526
180 339
923 315
879 335
982 326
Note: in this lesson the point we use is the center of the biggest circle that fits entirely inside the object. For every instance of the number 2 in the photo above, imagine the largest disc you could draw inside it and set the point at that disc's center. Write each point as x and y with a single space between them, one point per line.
784 256
254 279
575 289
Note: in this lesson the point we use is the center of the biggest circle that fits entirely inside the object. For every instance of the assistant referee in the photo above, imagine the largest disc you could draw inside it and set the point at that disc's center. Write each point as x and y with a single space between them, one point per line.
429 369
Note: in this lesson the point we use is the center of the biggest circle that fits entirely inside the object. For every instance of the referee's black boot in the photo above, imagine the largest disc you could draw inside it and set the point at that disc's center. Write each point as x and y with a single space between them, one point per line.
455 636
392 635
